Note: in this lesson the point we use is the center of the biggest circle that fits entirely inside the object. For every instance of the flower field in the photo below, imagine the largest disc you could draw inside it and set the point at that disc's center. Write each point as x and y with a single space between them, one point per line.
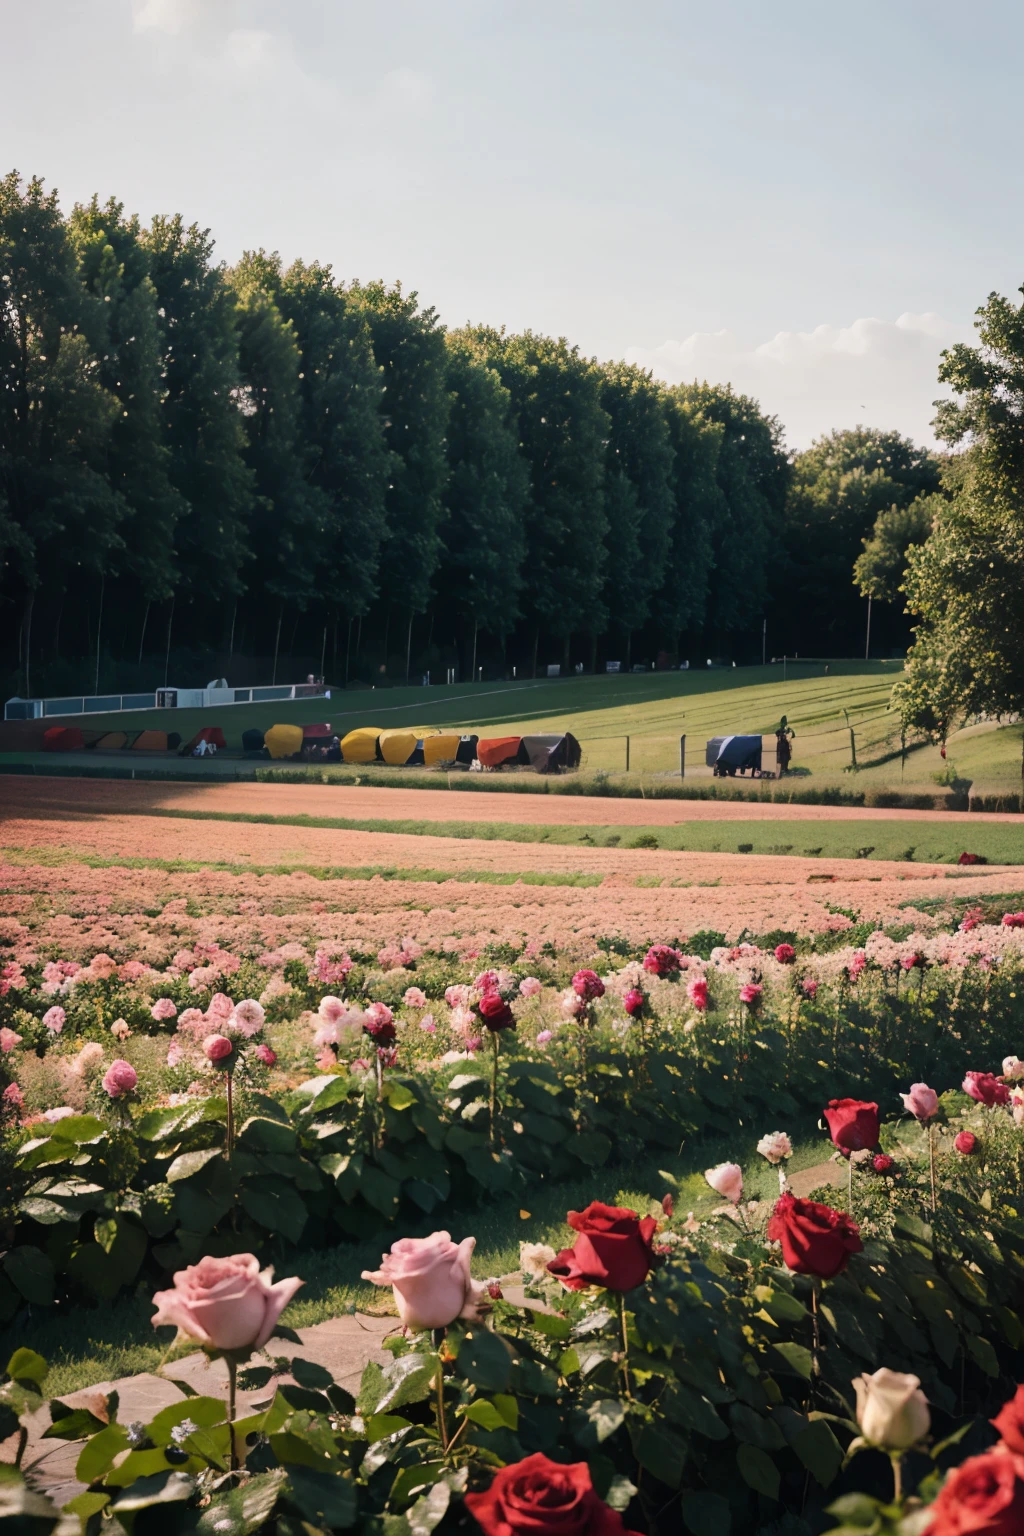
223 1044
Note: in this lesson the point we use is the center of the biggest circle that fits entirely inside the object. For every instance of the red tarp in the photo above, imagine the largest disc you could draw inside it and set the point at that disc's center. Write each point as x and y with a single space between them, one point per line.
497 750
63 738
315 730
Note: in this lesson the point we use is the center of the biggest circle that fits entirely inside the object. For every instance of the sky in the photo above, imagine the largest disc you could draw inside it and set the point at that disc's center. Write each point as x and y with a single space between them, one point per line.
808 199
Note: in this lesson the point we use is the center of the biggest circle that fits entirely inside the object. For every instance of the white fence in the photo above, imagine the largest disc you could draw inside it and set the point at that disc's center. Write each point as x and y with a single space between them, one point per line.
162 698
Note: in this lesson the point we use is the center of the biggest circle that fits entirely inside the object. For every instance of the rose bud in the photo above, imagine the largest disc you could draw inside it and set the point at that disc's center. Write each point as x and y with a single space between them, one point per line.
495 1012
217 1047
853 1125
922 1102
120 1078
882 1163
965 1142
726 1180
785 954
892 1411
633 1002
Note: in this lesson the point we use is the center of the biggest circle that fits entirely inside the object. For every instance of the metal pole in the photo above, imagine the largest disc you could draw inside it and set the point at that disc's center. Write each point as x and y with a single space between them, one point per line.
867 641
682 757
627 754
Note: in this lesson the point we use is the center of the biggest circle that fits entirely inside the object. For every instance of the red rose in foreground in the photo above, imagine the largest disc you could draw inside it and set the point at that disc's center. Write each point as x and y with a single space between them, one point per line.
785 954
662 960
853 1125
816 1240
633 1001
537 1495
965 1142
1009 1421
613 1249
495 1012
984 1494
985 1088
588 985
883 1163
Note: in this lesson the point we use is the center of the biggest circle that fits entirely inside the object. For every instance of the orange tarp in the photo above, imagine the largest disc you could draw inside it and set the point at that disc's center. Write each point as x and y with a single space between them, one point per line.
497 750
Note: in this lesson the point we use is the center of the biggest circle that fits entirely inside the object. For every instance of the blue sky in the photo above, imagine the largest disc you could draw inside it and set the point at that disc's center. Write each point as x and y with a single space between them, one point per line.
809 199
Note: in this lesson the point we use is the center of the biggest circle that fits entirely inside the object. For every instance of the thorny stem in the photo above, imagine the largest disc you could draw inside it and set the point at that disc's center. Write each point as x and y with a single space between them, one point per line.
897 1478
494 1089
931 1163
625 1345
442 1426
232 1374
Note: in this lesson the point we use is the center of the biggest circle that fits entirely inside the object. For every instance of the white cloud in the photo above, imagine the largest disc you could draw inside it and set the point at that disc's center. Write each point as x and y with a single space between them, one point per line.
171 17
877 372
405 88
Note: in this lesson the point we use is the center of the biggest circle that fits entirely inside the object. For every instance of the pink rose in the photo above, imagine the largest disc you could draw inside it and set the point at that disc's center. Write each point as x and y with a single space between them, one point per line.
750 993
697 992
588 985
457 997
332 1010
120 1078
220 1007
986 1089
726 1180
809 987
965 1143
430 1279
633 1001
1013 919
922 1102
192 1019
544 1037
414 998
530 986
785 954
327 1060
102 967
225 1304
175 1054
427 1023
266 1055
217 1047
8 1040
54 1018
14 1096
163 1009
248 1017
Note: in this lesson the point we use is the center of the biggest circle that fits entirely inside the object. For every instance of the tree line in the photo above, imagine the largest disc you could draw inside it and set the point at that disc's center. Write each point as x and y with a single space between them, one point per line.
200 460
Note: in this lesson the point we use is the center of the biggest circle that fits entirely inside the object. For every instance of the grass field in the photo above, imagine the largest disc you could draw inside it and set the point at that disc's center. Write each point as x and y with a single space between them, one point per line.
654 711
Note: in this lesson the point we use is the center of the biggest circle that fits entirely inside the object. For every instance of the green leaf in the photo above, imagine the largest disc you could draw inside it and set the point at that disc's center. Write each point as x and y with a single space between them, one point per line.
485 1414
592 1148
97 1455
547 1323
409 1379
308 1374
706 1514
31 1272
819 1450
689 1408
137 1464
72 1424
486 1360
411 1480
856 1509
323 1498
660 1451
381 1426
190 1163
797 1357
758 1470
398 1095
263 1135
275 1205
203 1411
429 1510
750 1428
164 1488
27 1367
603 1419
80 1129
85 1505
245 1509
371 1389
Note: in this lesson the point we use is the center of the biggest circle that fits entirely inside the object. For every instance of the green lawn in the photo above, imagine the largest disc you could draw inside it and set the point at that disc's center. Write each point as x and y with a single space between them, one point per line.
925 842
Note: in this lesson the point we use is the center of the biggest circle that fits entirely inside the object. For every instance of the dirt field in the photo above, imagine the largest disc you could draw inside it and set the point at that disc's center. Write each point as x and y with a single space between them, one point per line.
85 797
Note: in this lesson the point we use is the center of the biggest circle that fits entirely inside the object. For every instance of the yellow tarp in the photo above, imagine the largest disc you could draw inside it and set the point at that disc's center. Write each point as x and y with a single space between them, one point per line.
440 749
360 746
283 740
398 746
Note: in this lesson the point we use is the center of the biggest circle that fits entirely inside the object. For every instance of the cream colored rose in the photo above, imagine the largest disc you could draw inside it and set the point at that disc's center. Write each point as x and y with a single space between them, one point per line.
892 1411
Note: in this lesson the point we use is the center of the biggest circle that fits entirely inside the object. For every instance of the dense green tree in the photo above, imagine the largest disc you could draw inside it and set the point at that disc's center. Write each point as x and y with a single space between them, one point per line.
484 498
408 344
680 601
639 502
563 434
881 566
204 426
124 329
59 514
966 582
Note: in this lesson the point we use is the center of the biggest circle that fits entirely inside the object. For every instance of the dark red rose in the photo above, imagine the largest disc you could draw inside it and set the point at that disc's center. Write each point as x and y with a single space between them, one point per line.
816 1240
633 1001
965 1142
495 1291
661 960
588 985
853 1125
1013 919
785 954
984 1494
536 1496
495 1012
667 1204
883 1163
387 1055
613 1249
1009 1421
986 1089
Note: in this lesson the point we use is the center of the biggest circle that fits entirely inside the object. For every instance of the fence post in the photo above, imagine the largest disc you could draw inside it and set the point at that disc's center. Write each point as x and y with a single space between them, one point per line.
627 754
682 757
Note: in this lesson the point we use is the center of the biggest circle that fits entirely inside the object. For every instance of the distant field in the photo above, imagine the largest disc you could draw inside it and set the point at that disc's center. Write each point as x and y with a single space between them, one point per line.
654 711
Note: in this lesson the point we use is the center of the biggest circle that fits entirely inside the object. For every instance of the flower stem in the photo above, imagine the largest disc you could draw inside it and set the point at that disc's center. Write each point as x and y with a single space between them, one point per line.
625 1345
815 1327
931 1163
442 1425
849 1185
230 1144
897 1479
232 1374
494 1089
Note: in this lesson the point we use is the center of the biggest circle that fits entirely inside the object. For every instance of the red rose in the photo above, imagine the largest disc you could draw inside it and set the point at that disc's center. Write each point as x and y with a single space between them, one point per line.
1013 919
984 1494
661 960
588 985
537 1495
633 1001
965 1142
785 954
1010 1423
613 1249
853 1124
986 1089
495 1012
883 1163
816 1240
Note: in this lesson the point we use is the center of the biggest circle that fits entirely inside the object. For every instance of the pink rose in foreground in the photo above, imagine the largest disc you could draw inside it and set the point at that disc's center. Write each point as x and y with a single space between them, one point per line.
220 1007
415 997
430 1279
530 986
191 1020
225 1304
332 1010
457 996
726 1180
163 1009
986 1089
266 1055
54 1018
248 1017
775 1147
217 1048
8 1040
922 1102
120 1078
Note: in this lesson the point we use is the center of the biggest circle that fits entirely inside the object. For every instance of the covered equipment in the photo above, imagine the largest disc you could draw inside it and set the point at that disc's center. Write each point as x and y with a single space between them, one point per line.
448 747
150 741
498 750
63 738
728 755
211 734
252 740
399 747
283 741
551 754
112 741
360 746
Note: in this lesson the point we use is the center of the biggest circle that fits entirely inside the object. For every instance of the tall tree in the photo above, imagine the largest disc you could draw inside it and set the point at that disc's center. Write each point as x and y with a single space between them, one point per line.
205 430
563 432
124 329
349 460
408 344
58 513
485 494
882 564
287 533
680 604
638 492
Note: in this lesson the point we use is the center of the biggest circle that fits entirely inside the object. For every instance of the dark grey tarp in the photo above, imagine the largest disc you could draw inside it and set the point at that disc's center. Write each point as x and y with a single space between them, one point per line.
550 754
732 754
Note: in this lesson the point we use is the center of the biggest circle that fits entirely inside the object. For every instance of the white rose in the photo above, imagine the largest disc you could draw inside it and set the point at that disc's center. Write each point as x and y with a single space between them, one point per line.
534 1259
892 1411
